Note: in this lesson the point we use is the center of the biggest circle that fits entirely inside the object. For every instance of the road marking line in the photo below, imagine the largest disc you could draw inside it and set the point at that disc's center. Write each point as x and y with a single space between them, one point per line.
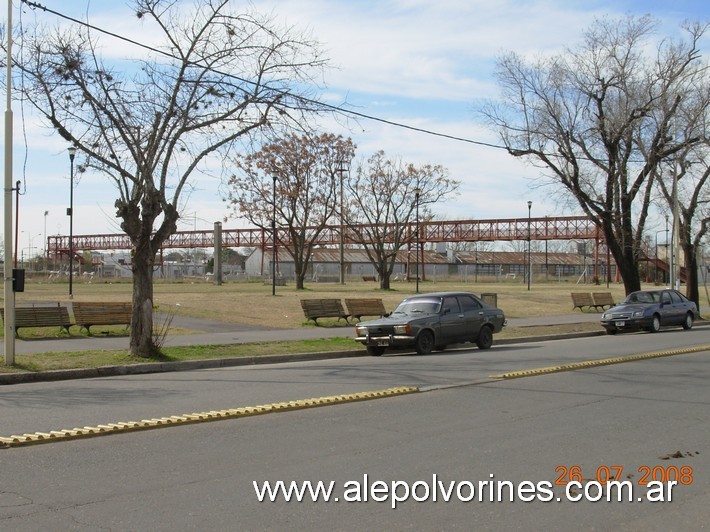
600 362
198 417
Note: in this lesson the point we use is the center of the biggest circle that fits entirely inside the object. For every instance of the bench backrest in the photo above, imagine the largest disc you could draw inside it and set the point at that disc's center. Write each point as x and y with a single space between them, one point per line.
582 299
322 307
365 307
99 313
40 316
603 298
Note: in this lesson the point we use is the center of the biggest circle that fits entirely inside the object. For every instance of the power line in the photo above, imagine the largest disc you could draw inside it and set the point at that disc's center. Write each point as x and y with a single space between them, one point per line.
334 108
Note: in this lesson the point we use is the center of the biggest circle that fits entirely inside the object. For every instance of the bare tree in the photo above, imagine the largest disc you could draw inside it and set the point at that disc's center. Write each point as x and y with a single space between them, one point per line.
382 205
220 76
597 120
686 177
304 173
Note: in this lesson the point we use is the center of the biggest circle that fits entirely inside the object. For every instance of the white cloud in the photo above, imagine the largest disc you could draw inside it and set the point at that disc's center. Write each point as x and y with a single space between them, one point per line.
416 62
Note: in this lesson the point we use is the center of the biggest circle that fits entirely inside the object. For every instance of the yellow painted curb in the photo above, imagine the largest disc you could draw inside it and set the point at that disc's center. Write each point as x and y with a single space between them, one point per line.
599 362
198 417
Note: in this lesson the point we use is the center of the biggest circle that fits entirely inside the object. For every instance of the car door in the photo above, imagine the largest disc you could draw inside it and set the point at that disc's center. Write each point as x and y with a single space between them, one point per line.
452 323
679 307
667 310
474 316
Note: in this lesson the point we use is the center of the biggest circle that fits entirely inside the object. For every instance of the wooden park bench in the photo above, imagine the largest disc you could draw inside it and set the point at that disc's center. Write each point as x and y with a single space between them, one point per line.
323 308
87 314
358 308
40 316
603 299
581 300
366 278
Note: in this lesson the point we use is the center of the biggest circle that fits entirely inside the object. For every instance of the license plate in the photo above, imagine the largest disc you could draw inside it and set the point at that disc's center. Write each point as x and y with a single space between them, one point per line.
620 323
382 343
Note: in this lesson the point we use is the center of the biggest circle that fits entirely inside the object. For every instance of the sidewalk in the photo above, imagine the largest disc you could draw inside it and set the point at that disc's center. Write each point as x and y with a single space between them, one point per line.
220 333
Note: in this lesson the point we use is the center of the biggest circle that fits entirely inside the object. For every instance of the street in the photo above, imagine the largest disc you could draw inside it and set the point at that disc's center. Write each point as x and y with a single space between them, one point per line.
463 427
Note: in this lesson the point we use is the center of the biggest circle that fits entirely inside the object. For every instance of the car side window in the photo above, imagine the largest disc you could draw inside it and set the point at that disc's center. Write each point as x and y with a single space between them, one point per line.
450 305
675 297
665 298
469 304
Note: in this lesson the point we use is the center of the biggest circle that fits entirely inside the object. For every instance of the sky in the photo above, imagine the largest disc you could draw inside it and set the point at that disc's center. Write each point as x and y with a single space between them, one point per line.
414 62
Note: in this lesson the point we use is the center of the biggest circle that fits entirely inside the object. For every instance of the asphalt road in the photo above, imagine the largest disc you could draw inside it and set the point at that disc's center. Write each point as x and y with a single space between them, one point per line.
47 406
464 426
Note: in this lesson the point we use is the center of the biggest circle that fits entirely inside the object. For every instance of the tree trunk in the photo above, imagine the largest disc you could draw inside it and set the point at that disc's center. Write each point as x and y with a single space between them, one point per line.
691 274
141 343
624 257
629 271
300 268
384 280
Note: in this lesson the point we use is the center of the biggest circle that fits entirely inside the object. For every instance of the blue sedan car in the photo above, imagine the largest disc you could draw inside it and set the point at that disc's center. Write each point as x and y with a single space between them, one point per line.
650 310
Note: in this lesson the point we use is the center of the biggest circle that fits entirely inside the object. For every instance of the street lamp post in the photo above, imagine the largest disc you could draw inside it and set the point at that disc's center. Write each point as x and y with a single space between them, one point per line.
417 192
529 250
17 217
273 239
671 257
341 170
475 273
655 269
274 255
30 249
70 212
46 247
547 268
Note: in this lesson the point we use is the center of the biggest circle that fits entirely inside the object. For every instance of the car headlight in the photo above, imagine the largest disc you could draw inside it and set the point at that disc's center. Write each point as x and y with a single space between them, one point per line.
361 331
605 316
638 314
402 329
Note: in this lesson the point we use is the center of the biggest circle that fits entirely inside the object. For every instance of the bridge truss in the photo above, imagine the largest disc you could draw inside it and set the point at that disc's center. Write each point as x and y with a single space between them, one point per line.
548 228
511 229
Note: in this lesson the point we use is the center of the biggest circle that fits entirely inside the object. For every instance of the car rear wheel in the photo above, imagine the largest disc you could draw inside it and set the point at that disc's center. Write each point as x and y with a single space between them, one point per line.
612 332
485 338
688 321
375 350
424 343
655 324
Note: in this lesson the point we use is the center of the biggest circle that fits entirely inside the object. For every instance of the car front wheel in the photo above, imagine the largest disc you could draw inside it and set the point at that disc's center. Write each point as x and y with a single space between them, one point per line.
485 338
655 324
375 350
611 331
424 343
688 321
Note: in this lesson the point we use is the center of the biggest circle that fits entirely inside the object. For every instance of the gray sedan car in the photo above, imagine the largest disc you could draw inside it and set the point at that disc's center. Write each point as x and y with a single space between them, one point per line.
432 321
650 310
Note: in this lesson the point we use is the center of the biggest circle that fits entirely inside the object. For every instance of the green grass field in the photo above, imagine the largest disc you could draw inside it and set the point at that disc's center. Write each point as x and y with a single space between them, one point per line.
252 303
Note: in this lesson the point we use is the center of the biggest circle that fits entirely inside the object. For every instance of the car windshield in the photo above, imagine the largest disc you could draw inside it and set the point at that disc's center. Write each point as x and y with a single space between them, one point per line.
414 307
643 297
